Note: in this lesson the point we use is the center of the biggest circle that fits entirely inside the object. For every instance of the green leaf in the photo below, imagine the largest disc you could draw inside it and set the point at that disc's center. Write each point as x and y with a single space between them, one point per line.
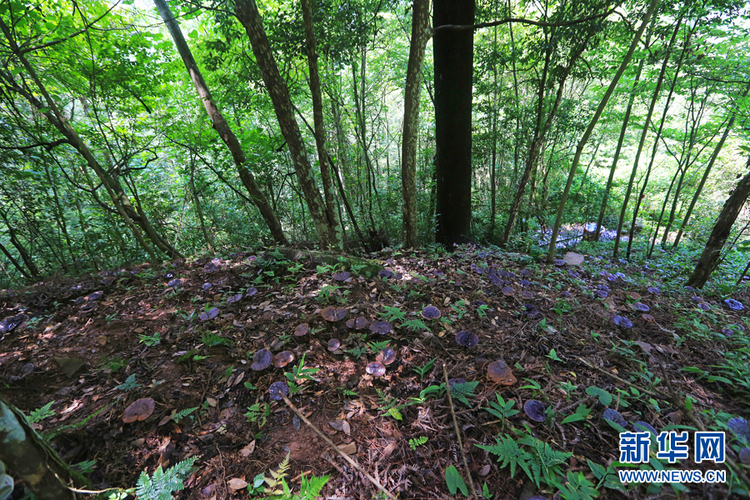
454 481
605 398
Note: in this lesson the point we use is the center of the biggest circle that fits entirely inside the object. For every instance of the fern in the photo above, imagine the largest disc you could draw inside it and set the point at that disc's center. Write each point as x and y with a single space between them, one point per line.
462 391
510 453
414 324
41 413
183 413
392 314
416 442
278 478
163 483
545 459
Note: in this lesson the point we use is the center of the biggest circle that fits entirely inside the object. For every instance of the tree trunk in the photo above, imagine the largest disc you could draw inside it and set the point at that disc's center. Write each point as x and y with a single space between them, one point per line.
592 124
621 139
221 126
710 256
642 194
15 263
247 13
710 165
420 23
20 248
197 201
320 131
454 63
644 133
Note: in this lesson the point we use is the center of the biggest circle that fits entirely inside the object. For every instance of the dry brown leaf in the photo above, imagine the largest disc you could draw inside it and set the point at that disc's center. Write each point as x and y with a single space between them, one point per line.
248 450
139 410
236 484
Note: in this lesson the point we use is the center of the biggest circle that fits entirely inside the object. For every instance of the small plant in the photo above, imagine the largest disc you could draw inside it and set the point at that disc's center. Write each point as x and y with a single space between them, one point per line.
211 339
299 373
41 413
502 409
129 384
415 324
357 351
424 370
553 355
417 442
376 347
581 414
177 416
454 481
150 340
258 413
392 314
459 308
462 391
482 311
163 483
110 317
86 467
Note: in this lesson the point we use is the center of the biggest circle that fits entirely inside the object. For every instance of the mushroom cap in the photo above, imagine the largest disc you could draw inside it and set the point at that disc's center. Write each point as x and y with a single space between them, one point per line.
375 368
640 306
641 426
500 373
734 305
357 323
530 310
385 273
648 317
739 426
341 276
283 358
175 282
301 330
210 314
614 416
381 327
139 410
603 287
333 314
744 455
234 298
205 286
622 322
559 262
386 356
277 389
430 312
507 291
251 291
704 307
467 338
334 344
602 294
534 410
262 360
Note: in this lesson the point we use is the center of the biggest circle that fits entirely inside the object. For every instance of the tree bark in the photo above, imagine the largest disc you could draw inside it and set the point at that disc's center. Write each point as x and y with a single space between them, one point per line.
710 256
247 13
454 63
320 131
419 35
592 124
219 123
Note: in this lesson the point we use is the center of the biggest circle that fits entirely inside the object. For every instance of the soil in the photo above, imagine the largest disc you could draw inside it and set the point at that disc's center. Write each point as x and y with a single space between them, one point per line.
545 321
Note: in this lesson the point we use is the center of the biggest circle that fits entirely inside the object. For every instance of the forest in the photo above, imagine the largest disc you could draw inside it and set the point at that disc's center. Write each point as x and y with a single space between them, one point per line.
460 247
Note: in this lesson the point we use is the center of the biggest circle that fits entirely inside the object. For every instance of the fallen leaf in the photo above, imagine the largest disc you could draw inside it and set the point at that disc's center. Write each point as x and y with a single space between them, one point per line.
139 410
348 449
573 259
236 484
248 450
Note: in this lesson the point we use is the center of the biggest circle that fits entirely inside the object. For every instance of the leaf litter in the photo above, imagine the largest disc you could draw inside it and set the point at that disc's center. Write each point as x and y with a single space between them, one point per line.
212 341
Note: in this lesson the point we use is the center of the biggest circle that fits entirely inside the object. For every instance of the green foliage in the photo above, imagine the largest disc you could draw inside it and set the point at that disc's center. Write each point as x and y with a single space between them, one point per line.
6 483
454 481
415 324
211 339
163 483
605 398
537 459
129 384
502 409
41 413
392 314
86 467
462 391
376 347
417 442
258 413
581 413
150 340
424 370
179 415
577 487
299 373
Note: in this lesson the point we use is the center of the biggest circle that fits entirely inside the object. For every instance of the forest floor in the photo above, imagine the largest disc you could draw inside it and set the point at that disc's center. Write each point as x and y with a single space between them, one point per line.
89 347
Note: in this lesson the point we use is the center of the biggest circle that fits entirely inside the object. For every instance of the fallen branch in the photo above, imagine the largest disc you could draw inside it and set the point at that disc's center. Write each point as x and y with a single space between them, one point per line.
458 434
346 457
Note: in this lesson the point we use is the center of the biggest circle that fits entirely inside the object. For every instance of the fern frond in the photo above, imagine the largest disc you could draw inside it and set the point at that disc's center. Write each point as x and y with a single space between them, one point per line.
510 454
183 413
163 483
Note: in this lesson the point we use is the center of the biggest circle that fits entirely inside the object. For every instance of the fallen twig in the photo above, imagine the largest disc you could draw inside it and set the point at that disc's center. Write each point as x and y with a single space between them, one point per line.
346 457
458 434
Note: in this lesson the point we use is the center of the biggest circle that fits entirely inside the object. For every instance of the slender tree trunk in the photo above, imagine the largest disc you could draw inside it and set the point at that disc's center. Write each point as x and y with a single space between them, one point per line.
420 23
710 256
19 246
221 125
320 132
15 263
710 165
644 133
248 15
592 124
454 64
198 207
663 209
642 194
621 139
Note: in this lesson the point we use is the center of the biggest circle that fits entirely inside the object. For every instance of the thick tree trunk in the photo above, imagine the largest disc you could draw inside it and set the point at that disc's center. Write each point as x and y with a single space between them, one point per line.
420 22
320 131
221 126
710 256
454 64
710 165
29 458
592 124
247 13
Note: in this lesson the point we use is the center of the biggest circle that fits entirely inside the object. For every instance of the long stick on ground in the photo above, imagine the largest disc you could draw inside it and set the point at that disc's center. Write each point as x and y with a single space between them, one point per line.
458 434
336 449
